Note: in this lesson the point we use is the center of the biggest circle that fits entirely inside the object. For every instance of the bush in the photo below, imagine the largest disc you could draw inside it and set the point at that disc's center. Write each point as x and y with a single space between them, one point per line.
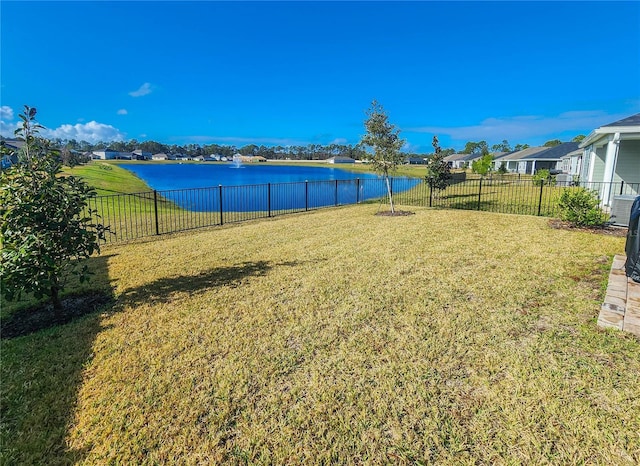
46 228
581 207
541 177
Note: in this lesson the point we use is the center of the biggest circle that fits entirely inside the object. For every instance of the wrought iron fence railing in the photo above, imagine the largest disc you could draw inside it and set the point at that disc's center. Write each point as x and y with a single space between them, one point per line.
139 215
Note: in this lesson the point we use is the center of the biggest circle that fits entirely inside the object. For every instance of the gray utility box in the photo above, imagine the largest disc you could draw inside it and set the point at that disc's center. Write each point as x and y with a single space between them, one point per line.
621 209
563 179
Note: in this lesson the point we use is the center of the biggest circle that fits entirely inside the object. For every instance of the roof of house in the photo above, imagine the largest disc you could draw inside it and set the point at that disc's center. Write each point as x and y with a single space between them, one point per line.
555 152
14 143
454 157
573 153
627 127
521 154
633 120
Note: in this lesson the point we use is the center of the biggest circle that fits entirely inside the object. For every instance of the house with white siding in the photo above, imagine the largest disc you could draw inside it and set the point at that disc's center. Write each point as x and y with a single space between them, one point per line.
611 154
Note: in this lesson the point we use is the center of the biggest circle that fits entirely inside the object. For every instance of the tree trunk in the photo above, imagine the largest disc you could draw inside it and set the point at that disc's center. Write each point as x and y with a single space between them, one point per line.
55 300
389 193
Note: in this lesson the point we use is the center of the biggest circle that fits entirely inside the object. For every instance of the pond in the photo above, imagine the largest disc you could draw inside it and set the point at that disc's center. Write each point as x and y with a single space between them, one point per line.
213 186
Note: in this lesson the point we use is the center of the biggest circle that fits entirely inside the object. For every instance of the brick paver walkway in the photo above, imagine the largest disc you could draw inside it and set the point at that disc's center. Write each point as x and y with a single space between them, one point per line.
621 307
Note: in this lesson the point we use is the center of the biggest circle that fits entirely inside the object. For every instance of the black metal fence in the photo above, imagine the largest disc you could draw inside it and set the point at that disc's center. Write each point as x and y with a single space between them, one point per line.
133 216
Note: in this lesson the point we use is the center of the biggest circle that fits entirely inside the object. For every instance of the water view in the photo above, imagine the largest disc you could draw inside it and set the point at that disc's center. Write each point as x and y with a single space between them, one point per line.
208 174
247 188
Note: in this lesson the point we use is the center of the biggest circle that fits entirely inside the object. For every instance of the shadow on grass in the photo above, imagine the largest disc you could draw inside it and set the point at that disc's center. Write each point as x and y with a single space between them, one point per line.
162 289
41 374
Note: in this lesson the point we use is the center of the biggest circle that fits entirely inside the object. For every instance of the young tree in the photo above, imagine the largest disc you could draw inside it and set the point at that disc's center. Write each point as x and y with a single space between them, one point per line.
384 139
46 228
482 166
502 170
438 172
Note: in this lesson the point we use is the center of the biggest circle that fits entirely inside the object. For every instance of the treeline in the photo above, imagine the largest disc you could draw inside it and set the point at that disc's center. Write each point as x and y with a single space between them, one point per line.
296 152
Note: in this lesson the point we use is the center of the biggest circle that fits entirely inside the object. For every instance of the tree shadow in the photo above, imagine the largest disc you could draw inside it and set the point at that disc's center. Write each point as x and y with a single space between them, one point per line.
41 374
162 289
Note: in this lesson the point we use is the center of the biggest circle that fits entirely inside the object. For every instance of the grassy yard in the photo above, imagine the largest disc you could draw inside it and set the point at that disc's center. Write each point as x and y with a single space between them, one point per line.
446 337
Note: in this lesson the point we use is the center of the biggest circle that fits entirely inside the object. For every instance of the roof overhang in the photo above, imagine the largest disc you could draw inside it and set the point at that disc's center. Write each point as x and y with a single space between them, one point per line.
604 134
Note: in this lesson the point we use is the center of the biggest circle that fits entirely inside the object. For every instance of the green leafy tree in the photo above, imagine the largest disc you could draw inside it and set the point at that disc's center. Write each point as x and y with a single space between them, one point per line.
482 166
502 147
480 148
384 140
438 171
520 147
552 143
46 229
578 138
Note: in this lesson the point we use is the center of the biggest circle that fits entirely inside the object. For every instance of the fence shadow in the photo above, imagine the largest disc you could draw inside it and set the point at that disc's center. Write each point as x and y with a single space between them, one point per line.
41 376
162 289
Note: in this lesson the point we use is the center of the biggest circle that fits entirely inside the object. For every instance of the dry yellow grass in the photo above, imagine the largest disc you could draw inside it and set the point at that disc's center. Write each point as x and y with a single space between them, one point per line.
446 337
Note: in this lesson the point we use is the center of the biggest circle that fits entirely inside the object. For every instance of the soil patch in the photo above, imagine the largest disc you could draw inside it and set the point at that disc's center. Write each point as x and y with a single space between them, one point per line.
397 213
30 320
605 230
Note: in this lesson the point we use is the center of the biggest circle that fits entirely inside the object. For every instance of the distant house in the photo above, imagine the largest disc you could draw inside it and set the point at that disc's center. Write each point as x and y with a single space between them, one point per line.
455 160
549 159
14 146
416 160
139 154
340 159
571 163
528 161
105 154
611 154
161 156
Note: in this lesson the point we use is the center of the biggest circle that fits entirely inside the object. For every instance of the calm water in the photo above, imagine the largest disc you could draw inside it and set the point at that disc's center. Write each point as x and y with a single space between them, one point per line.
206 174
246 188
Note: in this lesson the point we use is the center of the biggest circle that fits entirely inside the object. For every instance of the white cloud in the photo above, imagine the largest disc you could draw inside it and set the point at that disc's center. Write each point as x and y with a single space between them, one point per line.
7 128
523 128
339 141
6 113
122 111
91 132
143 90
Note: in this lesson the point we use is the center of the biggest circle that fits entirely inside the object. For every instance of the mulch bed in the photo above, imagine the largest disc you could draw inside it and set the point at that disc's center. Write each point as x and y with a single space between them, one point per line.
605 230
397 213
30 320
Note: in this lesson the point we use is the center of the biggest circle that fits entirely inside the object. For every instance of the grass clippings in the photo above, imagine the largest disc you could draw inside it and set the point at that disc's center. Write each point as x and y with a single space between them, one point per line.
444 337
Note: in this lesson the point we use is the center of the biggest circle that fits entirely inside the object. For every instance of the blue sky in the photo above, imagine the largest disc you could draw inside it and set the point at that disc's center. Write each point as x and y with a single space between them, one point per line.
290 73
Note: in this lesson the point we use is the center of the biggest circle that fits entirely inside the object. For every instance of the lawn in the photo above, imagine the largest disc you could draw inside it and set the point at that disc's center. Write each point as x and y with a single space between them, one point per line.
338 336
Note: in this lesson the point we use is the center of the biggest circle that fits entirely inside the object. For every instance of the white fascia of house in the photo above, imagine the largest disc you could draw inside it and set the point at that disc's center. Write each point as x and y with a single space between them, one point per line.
611 155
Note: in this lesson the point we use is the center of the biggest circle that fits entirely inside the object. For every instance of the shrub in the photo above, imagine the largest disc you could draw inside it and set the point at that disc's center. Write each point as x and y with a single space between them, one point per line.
45 224
541 177
581 208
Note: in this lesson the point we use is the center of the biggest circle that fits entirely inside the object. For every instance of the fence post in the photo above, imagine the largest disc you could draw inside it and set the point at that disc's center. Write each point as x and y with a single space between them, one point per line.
357 190
621 187
220 192
155 210
306 195
269 199
336 194
479 193
540 199
430 194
